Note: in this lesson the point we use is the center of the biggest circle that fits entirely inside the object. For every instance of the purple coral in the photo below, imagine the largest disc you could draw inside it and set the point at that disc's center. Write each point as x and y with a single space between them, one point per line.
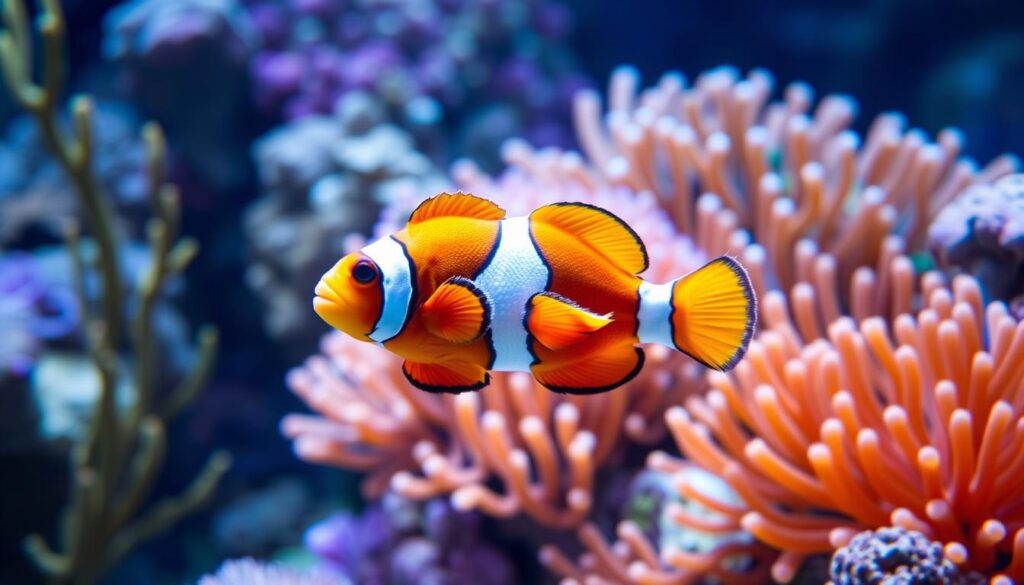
31 312
892 556
35 196
252 572
398 542
456 55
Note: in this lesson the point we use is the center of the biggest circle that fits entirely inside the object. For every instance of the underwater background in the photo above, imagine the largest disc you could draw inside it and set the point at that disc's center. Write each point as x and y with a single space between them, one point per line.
169 401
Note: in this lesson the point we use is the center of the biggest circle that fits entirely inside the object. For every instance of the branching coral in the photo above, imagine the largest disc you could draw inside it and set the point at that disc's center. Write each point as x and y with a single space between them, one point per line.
544 449
116 463
35 194
920 428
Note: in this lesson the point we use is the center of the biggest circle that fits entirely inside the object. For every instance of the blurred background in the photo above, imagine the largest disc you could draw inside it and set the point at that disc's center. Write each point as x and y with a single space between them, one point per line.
290 124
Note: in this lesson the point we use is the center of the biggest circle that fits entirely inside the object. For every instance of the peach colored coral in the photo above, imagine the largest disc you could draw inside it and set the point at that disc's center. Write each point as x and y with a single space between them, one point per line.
543 449
920 427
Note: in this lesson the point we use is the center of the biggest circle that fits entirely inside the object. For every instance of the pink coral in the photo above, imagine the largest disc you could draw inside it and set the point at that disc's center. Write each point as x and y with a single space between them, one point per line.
545 449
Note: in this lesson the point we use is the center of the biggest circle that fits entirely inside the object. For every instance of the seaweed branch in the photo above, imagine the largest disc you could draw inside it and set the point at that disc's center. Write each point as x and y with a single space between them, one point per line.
116 462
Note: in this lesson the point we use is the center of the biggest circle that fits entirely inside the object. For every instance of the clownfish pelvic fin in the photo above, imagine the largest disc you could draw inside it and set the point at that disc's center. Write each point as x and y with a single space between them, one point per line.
458 311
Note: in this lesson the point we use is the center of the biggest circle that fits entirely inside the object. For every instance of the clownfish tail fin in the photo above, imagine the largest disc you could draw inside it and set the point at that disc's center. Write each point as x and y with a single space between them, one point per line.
714 312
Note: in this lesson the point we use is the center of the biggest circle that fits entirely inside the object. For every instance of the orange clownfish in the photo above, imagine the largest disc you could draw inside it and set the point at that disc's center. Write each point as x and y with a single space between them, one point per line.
463 291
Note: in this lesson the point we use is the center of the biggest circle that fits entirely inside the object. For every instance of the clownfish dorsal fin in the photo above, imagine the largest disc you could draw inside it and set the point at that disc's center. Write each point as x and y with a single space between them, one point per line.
557 322
608 235
456 205
457 311
450 377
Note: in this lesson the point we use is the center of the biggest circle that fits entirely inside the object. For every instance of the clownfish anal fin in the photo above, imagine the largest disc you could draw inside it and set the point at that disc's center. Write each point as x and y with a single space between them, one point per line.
557 322
458 311
456 205
601 372
608 235
450 377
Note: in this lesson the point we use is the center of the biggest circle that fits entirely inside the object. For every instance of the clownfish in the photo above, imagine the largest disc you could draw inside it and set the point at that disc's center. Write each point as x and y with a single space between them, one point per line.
463 291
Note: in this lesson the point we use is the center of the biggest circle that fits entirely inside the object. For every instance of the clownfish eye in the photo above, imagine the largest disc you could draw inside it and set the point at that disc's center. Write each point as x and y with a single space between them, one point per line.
364 272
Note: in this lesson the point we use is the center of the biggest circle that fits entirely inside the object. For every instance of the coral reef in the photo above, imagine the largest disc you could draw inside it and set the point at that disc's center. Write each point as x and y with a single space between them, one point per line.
35 194
800 431
716 168
981 231
32 311
398 542
184 63
45 372
263 519
891 556
498 68
323 178
115 463
252 572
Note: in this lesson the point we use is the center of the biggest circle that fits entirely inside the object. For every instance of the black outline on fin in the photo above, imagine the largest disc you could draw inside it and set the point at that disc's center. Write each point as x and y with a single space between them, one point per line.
413 219
751 325
471 286
618 220
444 389
641 359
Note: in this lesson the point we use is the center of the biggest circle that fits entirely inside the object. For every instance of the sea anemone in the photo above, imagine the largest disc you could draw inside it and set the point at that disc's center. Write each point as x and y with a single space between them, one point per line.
920 428
787 188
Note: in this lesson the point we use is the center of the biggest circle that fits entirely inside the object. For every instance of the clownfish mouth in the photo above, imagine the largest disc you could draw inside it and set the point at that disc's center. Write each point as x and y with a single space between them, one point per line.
327 303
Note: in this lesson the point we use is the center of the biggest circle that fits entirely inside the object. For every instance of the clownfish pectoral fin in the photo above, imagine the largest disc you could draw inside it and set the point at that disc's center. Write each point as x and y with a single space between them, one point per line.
457 311
456 205
557 322
450 377
714 313
607 370
608 235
